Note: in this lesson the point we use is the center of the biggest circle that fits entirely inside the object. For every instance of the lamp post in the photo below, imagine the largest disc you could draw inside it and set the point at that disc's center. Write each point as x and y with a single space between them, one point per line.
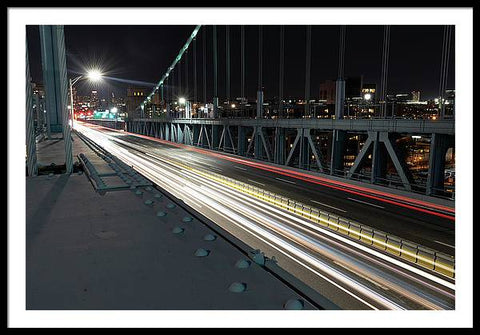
93 75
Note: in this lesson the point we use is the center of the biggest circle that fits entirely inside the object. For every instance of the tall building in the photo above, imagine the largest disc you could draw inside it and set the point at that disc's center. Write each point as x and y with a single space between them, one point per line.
94 99
135 96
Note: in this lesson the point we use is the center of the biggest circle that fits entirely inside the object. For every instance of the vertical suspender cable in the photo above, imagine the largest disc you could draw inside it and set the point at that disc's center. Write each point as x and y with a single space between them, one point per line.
308 53
260 58
215 79
385 57
204 58
242 62
195 71
444 69
281 71
227 55
180 90
340 83
187 93
341 54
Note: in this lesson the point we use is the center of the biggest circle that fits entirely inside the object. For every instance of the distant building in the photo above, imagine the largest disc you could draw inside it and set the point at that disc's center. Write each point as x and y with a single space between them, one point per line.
353 88
135 96
327 91
369 92
402 97
38 105
415 96
94 102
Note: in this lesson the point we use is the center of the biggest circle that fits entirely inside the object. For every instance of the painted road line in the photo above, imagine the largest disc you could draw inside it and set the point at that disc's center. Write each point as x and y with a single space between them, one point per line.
445 244
320 203
214 168
287 181
366 203
240 168
256 182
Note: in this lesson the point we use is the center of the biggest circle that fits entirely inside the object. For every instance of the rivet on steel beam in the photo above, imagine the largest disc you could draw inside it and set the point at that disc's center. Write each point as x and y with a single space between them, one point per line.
209 237
158 195
138 192
243 264
161 213
148 202
178 230
200 252
171 206
294 304
237 287
148 189
187 219
258 257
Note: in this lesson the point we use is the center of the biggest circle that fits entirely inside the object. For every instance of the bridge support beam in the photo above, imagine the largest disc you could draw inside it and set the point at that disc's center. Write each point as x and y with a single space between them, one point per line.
337 153
242 140
215 137
180 134
226 141
52 43
161 132
196 134
167 132
303 141
339 98
279 155
261 145
379 160
204 135
49 43
439 144
187 134
381 146
32 168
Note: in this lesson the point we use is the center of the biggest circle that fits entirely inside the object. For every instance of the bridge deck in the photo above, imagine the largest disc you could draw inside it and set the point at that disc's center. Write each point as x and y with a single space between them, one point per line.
87 251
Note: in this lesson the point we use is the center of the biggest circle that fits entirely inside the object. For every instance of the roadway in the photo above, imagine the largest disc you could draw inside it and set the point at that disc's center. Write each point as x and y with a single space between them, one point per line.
429 228
349 274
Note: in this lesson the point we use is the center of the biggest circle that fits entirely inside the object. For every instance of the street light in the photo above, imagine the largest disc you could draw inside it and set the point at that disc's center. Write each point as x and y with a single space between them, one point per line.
92 75
181 101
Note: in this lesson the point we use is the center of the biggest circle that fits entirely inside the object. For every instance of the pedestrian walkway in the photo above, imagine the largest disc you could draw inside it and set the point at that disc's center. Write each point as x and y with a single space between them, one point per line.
134 249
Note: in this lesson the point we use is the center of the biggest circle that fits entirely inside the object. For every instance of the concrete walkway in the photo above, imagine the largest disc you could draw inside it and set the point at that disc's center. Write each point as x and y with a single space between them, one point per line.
88 251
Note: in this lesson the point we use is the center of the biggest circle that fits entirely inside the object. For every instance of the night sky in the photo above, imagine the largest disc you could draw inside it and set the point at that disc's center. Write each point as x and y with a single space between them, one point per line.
143 53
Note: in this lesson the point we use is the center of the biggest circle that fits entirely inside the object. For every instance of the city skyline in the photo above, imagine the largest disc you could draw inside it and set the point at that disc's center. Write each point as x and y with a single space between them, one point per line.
414 63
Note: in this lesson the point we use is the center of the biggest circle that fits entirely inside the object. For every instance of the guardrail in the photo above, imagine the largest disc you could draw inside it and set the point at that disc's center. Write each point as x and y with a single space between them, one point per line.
407 250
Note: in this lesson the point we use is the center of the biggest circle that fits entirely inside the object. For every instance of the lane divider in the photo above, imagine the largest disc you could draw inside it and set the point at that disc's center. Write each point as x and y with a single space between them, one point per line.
411 252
